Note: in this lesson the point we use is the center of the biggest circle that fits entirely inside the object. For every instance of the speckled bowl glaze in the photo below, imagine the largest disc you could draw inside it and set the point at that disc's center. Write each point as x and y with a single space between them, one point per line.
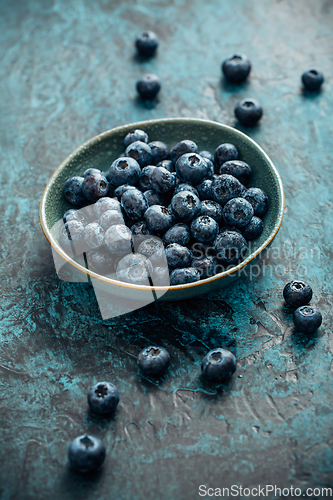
100 151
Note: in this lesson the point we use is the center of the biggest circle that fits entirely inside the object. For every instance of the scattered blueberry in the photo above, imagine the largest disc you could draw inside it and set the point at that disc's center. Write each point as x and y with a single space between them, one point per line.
161 180
297 293
258 199
153 360
86 453
236 68
148 86
248 112
239 169
93 235
95 186
134 268
178 255
312 79
166 164
185 205
134 203
213 209
125 170
147 43
103 397
184 276
237 212
100 261
192 168
218 364
179 233
182 148
225 152
73 191
159 151
307 319
225 187
139 151
207 265
253 229
158 218
230 247
204 229
118 240
135 135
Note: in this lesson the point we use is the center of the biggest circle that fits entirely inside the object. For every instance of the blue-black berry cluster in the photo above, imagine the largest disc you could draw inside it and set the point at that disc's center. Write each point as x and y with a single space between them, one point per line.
307 318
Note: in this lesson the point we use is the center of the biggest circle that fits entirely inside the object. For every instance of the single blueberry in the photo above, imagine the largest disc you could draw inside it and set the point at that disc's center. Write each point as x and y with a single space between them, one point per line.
207 155
103 397
205 189
140 230
297 293
253 229
161 276
135 135
74 214
168 164
153 360
179 233
184 276
230 247
154 198
178 256
307 319
118 240
159 151
73 191
161 180
207 266
225 152
236 68
183 147
148 86
139 151
202 250
237 212
185 205
134 268
248 112
145 176
312 79
93 235
71 237
125 170
121 190
105 204
110 218
184 186
239 169
213 209
158 218
134 203
91 171
218 364
192 168
146 43
225 187
95 186
100 261
86 453
153 249
204 229
258 199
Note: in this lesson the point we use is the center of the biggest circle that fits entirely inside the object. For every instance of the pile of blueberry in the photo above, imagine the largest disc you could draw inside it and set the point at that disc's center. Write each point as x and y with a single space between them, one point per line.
87 453
307 318
164 215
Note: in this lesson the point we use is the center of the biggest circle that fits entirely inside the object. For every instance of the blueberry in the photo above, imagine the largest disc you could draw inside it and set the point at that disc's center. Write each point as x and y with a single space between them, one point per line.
183 186
146 43
103 397
202 250
307 319
182 148
213 209
253 229
312 79
73 191
192 168
205 189
161 180
153 249
91 171
118 240
135 135
161 276
236 68
134 203
167 164
110 218
225 187
230 247
93 235
207 266
121 190
225 152
145 176
125 170
258 199
158 218
134 268
204 229
86 453
159 151
178 256
218 364
148 86
237 212
248 112
139 151
100 261
207 155
184 276
185 205
179 233
153 360
154 198
239 169
297 293
105 204
140 230
73 214
95 186
71 237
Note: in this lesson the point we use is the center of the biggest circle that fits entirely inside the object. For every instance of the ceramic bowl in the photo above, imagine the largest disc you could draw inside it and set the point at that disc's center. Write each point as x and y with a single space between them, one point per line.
100 151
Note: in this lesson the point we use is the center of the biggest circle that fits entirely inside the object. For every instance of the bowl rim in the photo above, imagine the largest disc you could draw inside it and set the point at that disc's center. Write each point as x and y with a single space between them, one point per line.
95 140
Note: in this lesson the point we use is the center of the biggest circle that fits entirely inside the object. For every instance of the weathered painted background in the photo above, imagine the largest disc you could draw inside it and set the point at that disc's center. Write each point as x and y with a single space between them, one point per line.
67 72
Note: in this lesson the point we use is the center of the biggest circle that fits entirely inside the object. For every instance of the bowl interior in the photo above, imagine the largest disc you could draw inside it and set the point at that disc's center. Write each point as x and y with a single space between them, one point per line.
102 150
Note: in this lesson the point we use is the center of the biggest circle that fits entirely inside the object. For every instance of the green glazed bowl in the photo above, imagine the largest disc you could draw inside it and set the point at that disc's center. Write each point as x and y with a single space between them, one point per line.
102 150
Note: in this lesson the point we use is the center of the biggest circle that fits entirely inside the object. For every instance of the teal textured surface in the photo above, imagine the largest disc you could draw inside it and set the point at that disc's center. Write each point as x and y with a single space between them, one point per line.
68 72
